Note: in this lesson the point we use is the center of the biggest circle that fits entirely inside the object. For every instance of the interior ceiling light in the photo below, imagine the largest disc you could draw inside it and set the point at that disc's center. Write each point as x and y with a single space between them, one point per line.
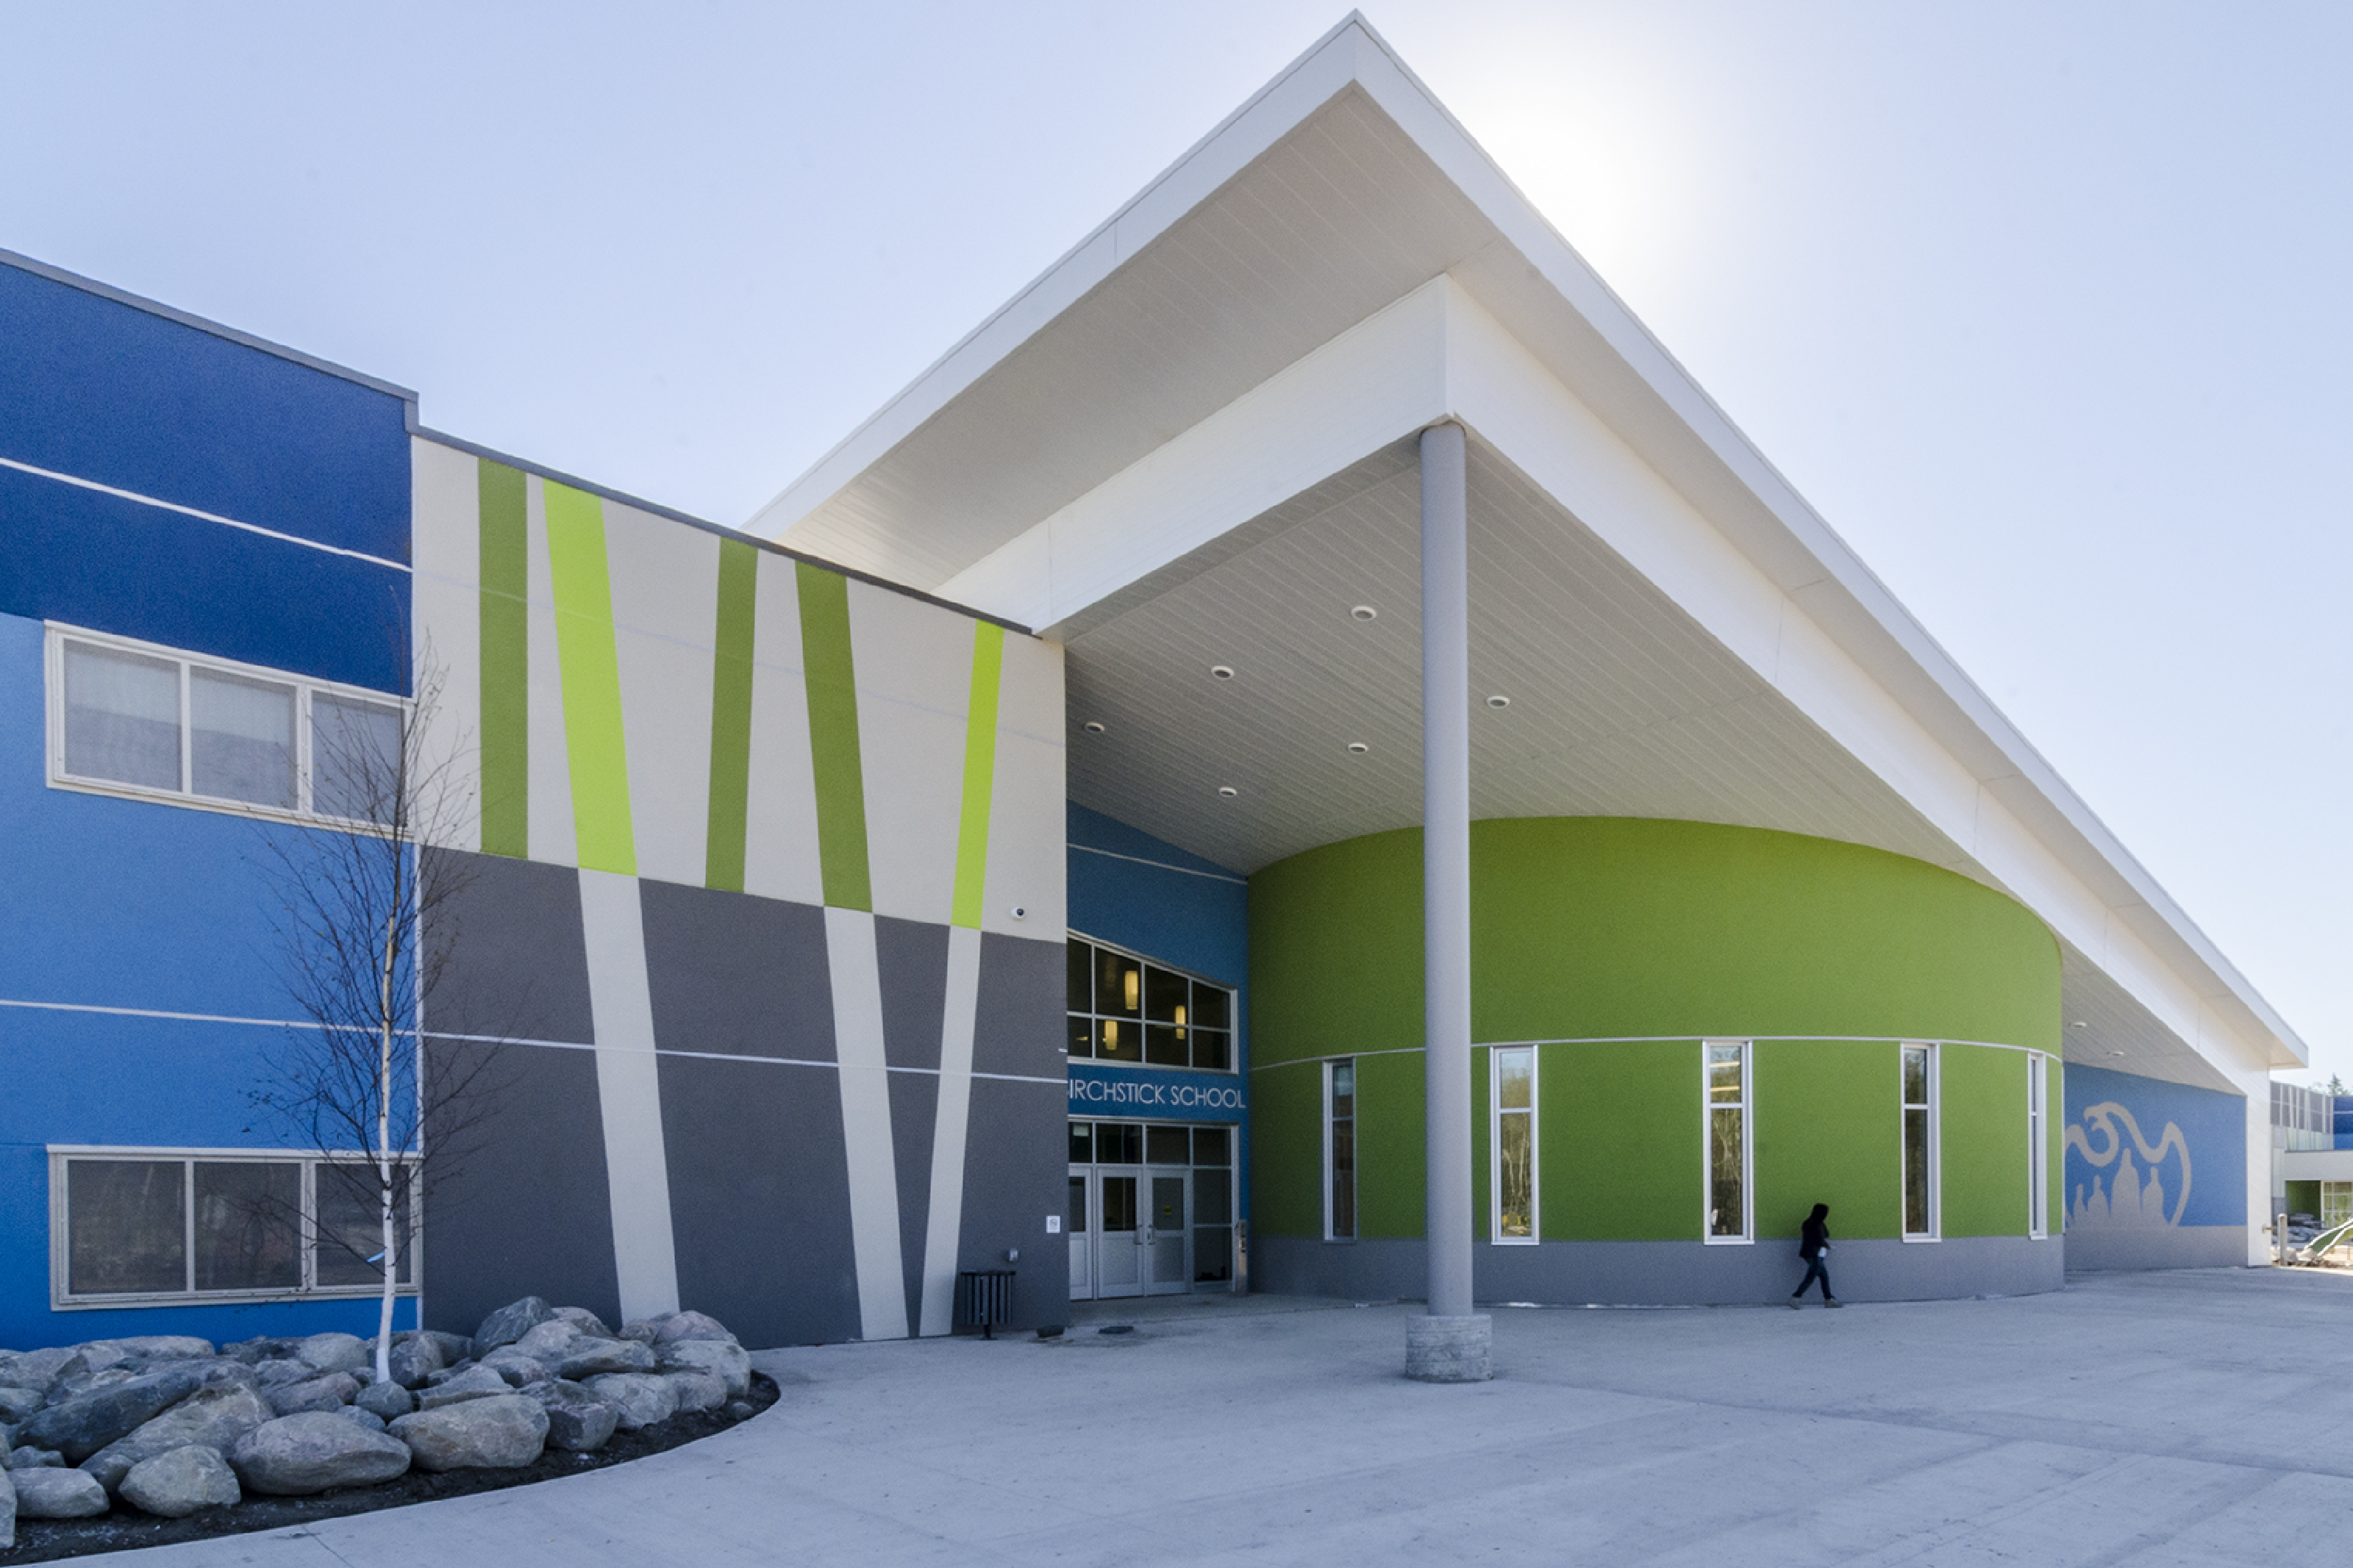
1094 727
1357 748
2079 1024
1223 671
1499 701
1228 791
1364 612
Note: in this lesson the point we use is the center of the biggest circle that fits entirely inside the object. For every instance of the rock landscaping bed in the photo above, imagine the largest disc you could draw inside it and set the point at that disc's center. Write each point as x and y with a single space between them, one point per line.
138 1442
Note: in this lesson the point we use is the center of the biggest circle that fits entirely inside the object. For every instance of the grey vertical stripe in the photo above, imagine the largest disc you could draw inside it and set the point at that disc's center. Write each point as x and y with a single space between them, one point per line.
946 1213
629 1088
864 1079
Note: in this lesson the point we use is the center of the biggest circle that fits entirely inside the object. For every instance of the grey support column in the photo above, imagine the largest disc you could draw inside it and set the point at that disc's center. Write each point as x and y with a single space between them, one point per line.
1450 1344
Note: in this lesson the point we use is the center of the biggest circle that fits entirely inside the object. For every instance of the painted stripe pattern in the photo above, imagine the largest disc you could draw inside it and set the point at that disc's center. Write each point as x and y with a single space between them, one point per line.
833 737
730 715
505 741
592 680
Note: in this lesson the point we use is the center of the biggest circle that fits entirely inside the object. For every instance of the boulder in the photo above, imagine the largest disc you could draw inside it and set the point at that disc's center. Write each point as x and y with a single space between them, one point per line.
510 1323
367 1418
502 1432
731 1363
211 1418
520 1370
7 1512
415 1360
587 1321
222 1370
577 1421
385 1400
330 1392
182 1483
88 1422
740 1410
691 1326
455 1348
642 1328
474 1383
549 1343
696 1390
17 1404
295 1455
640 1399
162 1347
39 1369
279 1370
26 1457
587 1358
261 1348
58 1494
73 1386
337 1353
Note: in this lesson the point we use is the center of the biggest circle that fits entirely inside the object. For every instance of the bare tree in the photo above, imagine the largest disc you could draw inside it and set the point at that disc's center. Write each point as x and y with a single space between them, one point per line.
366 926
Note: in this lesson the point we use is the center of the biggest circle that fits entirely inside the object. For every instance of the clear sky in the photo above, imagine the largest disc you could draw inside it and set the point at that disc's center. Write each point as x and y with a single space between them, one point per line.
2044 306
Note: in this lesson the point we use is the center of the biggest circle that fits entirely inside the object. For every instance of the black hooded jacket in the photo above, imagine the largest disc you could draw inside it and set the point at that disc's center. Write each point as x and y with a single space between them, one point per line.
1815 1234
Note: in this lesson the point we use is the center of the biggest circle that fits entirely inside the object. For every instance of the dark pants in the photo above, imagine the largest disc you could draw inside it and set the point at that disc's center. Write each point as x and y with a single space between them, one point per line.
1817 1267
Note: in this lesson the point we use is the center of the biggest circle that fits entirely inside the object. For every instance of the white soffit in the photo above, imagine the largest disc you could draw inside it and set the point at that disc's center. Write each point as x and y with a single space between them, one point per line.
1323 204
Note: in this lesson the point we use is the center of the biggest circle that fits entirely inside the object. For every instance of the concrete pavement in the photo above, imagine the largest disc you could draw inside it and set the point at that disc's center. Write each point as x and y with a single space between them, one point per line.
2196 1417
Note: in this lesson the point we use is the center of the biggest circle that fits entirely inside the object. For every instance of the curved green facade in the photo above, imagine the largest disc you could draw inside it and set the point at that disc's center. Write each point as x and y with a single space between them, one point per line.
1618 946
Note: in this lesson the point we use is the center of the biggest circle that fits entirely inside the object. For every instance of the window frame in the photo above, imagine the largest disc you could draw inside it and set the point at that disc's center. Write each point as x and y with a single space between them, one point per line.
1142 1021
1355 1146
1495 1114
1934 1160
2037 1153
1708 1107
305 688
63 1300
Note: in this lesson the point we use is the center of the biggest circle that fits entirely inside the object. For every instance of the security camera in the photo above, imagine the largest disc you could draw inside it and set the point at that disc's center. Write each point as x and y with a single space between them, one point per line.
1020 912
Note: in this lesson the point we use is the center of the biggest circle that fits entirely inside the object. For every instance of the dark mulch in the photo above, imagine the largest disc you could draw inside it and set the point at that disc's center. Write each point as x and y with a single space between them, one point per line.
43 1539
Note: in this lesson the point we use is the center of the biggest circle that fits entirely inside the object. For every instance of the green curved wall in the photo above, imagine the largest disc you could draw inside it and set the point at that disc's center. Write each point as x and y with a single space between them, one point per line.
1628 941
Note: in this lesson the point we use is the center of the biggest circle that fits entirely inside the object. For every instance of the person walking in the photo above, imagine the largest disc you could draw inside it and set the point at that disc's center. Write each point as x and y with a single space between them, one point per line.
1814 1246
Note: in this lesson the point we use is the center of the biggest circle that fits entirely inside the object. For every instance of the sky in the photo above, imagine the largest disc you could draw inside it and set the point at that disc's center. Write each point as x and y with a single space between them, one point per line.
2043 307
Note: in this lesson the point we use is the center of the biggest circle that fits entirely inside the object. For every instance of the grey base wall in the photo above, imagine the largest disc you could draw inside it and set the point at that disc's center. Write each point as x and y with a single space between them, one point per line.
2090 1250
1665 1273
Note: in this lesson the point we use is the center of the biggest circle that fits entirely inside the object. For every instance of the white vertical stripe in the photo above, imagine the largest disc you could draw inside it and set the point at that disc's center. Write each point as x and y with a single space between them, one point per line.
944 1226
629 1088
865 1080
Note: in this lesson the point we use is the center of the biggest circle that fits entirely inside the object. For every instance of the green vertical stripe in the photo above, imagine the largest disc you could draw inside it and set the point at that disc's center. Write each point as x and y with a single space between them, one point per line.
590 667
833 737
505 663
730 715
979 774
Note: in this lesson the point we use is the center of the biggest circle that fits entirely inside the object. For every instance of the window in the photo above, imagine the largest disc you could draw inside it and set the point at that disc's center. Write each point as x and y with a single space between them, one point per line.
135 1225
1340 1151
1124 1009
1727 1088
128 718
2335 1204
2037 1146
1919 1143
1513 1139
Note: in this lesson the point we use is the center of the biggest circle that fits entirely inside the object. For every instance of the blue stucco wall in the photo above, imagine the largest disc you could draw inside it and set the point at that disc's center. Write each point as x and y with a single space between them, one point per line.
114 395
2163 1133
1138 892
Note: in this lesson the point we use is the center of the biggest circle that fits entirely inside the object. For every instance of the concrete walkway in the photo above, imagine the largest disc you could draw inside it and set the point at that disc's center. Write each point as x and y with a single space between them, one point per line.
2179 1419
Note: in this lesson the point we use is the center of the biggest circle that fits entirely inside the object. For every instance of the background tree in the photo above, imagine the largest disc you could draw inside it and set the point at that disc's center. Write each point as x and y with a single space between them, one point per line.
366 926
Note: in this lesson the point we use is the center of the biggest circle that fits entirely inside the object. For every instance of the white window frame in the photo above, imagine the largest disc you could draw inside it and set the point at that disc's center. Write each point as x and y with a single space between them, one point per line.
1935 1162
1495 1151
306 687
62 1300
1232 1031
2038 1153
1355 1096
1707 1110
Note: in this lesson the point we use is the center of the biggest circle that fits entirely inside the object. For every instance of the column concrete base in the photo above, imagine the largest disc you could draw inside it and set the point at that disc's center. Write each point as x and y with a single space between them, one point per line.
1450 1350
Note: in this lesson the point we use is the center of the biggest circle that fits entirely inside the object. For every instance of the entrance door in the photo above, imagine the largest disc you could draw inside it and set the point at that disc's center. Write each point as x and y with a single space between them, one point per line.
1082 1237
1119 1255
1165 1236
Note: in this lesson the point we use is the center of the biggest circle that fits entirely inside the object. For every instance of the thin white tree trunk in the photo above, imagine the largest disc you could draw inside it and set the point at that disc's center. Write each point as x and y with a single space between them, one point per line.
384 1177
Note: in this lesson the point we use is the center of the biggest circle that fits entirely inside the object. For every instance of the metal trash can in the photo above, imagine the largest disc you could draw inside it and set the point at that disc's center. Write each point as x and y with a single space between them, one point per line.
985 1298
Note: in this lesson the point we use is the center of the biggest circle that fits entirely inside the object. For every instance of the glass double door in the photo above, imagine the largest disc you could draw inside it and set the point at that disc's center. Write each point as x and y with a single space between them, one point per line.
1130 1231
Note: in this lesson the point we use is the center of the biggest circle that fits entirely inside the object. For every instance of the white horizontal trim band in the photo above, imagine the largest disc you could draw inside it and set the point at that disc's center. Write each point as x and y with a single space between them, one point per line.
1675 1039
1161 865
204 516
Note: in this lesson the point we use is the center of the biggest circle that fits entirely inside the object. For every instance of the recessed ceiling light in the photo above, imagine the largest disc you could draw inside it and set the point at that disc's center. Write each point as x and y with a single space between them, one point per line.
1223 671
1228 791
1364 612
1499 701
1357 748
2116 1053
1094 727
2079 1024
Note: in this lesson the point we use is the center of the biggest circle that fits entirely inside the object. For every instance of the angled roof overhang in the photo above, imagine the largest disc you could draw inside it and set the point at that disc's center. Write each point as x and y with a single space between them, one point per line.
1189 443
